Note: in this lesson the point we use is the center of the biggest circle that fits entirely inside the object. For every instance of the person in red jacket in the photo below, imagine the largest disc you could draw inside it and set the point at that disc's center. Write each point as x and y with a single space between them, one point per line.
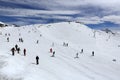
50 50
24 51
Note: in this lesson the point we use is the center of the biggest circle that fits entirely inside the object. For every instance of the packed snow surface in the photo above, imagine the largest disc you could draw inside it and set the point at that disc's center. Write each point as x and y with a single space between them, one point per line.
104 65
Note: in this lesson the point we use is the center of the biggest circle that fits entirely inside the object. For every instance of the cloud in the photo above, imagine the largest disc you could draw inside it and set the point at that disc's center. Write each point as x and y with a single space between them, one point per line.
29 12
89 20
86 11
112 18
98 20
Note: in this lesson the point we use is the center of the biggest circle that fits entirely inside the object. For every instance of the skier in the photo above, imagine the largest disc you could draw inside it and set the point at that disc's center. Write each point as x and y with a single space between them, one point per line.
13 51
19 34
37 41
40 35
18 50
53 44
9 34
114 60
37 60
92 53
67 44
5 34
81 51
7 39
24 51
50 50
53 54
63 43
16 46
21 40
77 55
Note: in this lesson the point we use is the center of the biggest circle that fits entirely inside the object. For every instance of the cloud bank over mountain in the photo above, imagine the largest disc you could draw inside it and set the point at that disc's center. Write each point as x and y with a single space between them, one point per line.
93 12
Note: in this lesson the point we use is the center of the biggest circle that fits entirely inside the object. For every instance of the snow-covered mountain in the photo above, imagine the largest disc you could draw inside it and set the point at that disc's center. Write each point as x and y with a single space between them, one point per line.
105 65
3 24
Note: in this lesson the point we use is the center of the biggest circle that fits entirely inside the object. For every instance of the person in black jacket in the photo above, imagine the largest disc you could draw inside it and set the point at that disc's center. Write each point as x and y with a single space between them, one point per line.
16 46
93 53
81 51
18 50
53 54
13 51
7 39
37 60
24 51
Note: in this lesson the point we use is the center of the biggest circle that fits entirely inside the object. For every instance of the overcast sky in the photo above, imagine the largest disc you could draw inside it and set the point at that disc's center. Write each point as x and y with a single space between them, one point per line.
90 12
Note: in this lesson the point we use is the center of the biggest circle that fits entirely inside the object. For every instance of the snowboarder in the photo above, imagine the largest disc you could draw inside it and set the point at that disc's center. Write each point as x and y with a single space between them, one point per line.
53 54
16 46
7 39
13 51
18 50
24 51
37 60
50 50
92 53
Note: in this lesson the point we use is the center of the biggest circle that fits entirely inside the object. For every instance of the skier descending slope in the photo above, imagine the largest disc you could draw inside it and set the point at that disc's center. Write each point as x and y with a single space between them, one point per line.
76 55
24 51
13 51
37 41
7 39
93 53
81 51
53 54
18 50
8 34
16 46
50 50
37 60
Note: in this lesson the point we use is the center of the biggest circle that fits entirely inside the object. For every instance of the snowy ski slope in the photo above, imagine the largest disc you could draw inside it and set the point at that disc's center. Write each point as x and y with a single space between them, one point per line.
63 66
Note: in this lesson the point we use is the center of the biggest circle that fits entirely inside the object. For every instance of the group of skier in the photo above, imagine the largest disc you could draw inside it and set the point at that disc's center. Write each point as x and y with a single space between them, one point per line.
65 44
16 48
7 35
81 53
20 40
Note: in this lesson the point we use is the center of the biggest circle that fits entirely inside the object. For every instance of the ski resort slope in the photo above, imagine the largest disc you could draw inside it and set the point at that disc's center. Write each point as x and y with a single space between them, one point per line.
64 66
